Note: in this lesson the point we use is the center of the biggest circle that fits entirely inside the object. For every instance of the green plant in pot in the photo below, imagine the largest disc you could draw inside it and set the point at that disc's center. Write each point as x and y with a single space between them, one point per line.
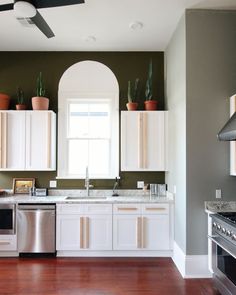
40 102
150 104
4 101
132 95
20 100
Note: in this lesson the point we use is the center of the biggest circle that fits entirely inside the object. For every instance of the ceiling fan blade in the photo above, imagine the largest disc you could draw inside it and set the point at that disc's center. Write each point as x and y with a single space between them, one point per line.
6 7
40 22
55 3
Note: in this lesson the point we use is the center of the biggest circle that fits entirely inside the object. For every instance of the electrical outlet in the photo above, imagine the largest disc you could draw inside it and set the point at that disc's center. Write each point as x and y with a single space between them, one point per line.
140 184
218 194
53 183
174 189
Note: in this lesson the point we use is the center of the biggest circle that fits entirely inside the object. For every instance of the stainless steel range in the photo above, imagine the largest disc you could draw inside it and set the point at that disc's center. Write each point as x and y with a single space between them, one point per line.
224 252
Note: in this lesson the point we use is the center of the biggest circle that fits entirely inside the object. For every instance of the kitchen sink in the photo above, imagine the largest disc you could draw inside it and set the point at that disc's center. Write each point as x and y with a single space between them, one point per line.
85 198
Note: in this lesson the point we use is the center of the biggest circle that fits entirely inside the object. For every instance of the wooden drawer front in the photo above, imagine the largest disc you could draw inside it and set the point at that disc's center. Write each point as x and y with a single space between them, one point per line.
155 208
127 208
8 243
98 209
70 208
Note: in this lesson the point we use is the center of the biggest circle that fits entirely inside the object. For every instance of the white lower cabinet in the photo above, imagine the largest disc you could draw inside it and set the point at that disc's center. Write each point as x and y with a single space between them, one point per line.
117 227
8 243
145 227
91 229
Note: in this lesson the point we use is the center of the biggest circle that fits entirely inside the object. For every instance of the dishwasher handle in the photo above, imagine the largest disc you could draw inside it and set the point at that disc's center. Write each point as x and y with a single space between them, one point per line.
36 207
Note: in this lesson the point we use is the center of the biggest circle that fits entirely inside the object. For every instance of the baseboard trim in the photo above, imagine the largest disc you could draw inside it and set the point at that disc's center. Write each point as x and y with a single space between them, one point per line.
114 253
191 266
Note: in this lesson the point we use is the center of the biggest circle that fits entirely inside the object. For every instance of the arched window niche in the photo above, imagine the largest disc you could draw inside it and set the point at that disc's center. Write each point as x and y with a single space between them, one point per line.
88 122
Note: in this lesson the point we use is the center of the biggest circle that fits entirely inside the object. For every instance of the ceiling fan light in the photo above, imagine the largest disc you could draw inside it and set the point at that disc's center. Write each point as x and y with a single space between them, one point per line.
24 9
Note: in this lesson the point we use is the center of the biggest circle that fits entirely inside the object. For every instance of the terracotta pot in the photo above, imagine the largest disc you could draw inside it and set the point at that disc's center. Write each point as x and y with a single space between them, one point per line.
40 103
21 107
4 101
150 105
132 106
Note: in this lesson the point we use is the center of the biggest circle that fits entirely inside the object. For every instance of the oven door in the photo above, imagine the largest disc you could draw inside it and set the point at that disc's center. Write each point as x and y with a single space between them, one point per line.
7 219
224 265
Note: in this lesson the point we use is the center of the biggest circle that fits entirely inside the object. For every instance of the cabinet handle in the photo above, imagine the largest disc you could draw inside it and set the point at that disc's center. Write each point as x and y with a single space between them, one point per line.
81 232
142 138
4 243
1 134
144 220
4 141
87 232
127 209
155 209
49 142
139 232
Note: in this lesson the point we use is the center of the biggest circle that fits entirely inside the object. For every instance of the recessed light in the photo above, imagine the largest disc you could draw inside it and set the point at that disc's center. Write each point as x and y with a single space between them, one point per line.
136 26
90 39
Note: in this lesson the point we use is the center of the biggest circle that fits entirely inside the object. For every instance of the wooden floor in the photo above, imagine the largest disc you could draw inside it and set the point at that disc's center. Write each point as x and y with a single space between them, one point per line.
97 276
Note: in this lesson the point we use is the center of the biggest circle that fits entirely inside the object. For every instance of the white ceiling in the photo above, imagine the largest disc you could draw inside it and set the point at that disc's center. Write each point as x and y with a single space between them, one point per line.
107 20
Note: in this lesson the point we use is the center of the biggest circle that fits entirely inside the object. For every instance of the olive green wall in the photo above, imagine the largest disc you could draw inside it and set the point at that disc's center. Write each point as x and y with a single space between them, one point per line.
22 68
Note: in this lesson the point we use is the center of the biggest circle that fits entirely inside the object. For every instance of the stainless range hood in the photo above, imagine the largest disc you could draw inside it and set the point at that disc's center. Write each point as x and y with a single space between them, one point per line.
228 132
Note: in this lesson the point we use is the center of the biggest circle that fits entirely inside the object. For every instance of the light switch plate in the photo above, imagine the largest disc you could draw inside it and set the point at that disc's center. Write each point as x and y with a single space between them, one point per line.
140 184
218 194
53 183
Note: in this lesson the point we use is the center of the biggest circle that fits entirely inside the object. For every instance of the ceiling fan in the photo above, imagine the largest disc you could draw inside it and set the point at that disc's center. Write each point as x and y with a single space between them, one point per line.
27 12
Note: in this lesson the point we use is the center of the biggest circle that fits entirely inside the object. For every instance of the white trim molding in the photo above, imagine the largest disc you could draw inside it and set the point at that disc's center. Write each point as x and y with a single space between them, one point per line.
191 266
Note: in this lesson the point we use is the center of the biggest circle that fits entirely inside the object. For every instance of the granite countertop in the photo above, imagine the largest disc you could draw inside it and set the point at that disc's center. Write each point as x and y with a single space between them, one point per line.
220 206
96 196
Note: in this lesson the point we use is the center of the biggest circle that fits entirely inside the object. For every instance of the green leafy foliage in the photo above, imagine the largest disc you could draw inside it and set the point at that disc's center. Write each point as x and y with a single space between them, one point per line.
20 96
133 91
40 89
148 91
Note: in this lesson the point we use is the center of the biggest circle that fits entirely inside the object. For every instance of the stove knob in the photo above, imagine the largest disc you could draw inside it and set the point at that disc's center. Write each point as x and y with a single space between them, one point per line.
214 224
233 237
223 230
228 233
218 227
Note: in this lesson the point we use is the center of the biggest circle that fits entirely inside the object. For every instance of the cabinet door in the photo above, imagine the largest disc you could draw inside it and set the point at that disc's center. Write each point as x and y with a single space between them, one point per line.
40 147
156 232
127 232
143 141
98 232
12 140
69 231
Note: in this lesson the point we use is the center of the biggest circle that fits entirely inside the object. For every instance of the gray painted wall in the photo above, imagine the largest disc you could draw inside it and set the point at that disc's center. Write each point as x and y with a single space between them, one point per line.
208 50
211 79
175 77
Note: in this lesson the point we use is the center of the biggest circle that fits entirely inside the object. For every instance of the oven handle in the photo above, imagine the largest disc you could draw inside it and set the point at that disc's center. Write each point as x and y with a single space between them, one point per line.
223 244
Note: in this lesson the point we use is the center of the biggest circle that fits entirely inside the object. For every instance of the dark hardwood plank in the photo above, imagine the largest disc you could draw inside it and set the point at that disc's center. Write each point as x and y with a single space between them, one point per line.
97 276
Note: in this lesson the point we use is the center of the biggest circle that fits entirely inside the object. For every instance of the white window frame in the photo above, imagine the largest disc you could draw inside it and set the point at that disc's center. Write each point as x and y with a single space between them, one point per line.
64 99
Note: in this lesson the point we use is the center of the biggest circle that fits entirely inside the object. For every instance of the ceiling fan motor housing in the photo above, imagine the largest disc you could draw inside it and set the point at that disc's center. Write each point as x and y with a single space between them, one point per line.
24 9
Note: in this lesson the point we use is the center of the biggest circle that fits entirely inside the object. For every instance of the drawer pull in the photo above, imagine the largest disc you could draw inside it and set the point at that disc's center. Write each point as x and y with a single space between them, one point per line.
4 243
155 209
81 233
127 209
139 232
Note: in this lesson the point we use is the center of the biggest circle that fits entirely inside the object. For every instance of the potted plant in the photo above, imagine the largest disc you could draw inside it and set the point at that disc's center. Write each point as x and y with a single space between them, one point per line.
4 101
20 100
40 102
150 104
132 95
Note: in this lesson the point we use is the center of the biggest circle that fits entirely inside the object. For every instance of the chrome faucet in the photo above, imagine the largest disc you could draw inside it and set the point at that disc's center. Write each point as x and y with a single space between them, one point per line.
116 184
86 182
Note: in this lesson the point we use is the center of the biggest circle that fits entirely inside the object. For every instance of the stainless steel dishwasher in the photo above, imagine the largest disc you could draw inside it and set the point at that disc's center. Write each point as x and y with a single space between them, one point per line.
36 228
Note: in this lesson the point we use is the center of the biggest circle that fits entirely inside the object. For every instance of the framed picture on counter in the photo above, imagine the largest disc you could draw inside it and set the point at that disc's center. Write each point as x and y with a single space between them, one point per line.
23 185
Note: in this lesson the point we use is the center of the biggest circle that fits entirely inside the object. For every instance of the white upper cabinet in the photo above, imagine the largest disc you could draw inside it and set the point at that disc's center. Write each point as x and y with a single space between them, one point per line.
143 140
232 143
27 140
